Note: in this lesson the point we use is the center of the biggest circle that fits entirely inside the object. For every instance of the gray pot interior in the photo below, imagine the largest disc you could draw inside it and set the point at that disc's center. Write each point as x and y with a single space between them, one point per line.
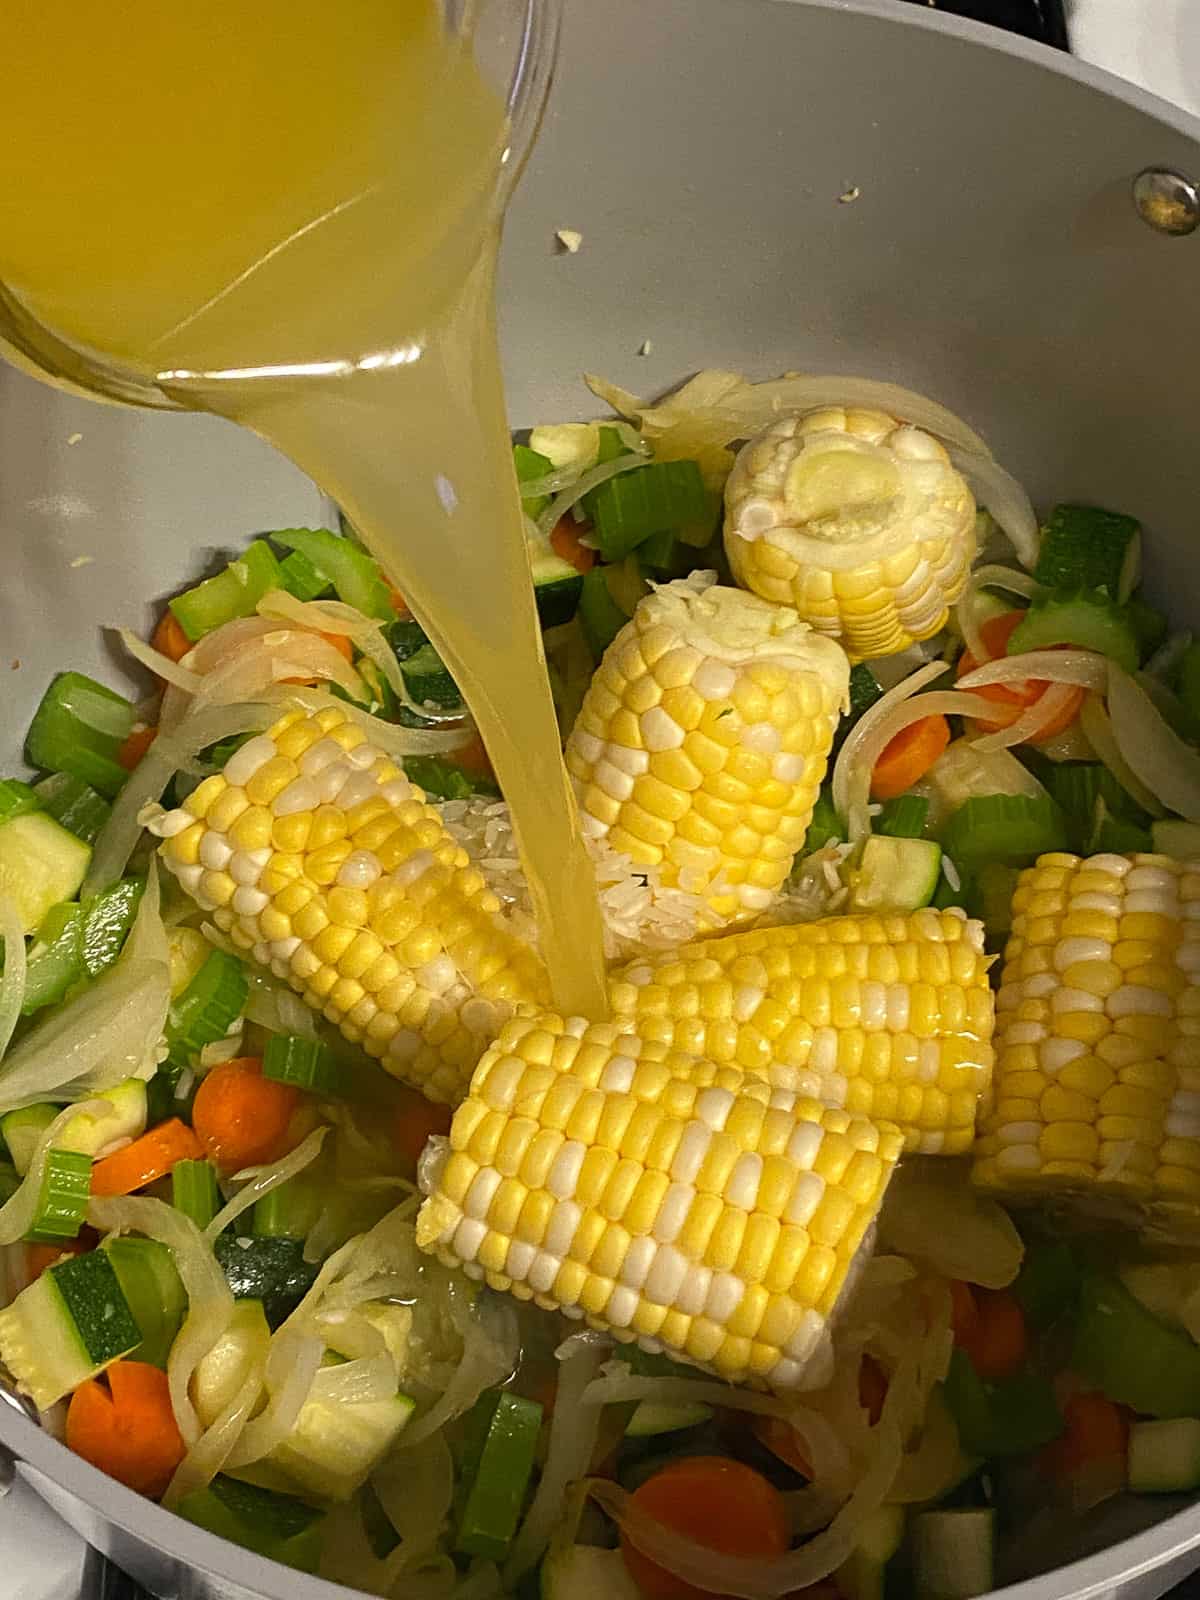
760 185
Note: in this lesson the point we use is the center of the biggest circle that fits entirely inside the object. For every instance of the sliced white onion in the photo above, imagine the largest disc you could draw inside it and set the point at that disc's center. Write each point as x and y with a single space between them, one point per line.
1085 668
263 1179
1098 731
416 1490
19 1210
210 1452
1051 703
553 483
490 1353
389 736
1161 760
160 665
617 1384
990 576
583 485
277 1008
210 1303
848 757
292 1364
320 616
1004 498
12 979
932 1215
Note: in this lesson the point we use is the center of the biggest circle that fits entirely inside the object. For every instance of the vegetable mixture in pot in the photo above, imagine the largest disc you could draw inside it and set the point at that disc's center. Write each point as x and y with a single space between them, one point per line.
855 1249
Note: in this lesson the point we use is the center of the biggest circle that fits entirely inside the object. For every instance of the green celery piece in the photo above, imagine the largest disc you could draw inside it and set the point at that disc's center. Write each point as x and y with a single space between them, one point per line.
531 465
194 1191
78 729
1077 785
154 1293
63 1199
1010 1418
1149 626
989 892
1048 1283
600 617
661 551
300 578
902 818
235 592
1086 547
205 1009
1012 828
611 446
944 896
1114 835
354 574
1085 618
495 1466
627 509
289 1211
55 958
271 1270
825 824
74 804
274 1525
304 1063
16 798
1133 1357
108 917
445 781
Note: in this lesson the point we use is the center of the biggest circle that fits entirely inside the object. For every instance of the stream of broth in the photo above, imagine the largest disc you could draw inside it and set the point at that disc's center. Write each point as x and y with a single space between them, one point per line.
310 253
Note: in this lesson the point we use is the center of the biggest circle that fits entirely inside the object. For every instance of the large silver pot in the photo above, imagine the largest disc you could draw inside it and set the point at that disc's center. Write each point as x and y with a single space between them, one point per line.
825 184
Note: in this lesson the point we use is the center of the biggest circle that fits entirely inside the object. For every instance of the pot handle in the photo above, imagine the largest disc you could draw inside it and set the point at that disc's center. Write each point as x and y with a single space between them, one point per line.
104 1581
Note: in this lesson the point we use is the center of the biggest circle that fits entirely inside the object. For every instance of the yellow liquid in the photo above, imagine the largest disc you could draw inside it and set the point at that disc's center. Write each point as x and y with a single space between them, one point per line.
282 212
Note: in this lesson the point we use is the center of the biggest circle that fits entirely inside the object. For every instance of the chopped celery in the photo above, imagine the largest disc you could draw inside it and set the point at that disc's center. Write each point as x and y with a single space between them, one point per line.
63 1199
1133 1357
1084 547
628 509
55 958
825 824
495 1466
1087 619
660 552
274 1525
289 1211
1013 828
903 818
232 593
529 466
1077 786
108 919
205 1010
1149 626
1047 1285
1008 1418
354 574
16 798
154 1293
22 1131
78 729
305 1063
1114 835
299 577
194 1191
600 614
444 780
989 897
75 804
272 1270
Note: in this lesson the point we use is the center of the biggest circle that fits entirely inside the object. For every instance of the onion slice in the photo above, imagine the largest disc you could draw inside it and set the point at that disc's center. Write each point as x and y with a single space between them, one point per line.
1098 731
1084 668
989 576
1051 703
583 485
12 980
1004 498
263 1179
1161 760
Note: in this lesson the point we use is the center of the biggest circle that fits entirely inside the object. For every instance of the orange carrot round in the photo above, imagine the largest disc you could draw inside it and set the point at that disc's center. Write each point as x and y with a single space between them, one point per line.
131 751
126 1427
720 1504
997 1341
417 1121
146 1159
241 1118
908 757
1096 1429
564 541
1011 699
169 639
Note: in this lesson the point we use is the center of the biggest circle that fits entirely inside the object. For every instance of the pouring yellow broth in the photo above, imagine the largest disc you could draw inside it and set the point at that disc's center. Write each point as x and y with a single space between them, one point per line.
315 261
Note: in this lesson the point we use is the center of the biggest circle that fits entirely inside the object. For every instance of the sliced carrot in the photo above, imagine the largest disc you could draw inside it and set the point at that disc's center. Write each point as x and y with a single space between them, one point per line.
169 638
417 1121
399 603
146 1159
565 542
131 751
1011 699
1096 1429
788 1443
908 757
40 1256
997 1341
241 1118
721 1505
126 1427
472 757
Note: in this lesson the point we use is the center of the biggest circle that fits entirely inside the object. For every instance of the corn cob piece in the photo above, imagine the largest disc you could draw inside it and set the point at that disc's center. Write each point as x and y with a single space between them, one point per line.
889 1017
858 521
702 741
659 1195
321 861
1097 1086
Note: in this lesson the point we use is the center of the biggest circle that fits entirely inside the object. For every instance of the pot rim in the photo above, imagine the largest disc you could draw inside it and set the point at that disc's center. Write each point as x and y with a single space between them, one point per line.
1091 1578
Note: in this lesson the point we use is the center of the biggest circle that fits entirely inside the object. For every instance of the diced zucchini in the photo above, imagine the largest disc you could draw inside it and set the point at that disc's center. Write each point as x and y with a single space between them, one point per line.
1164 1457
428 680
334 1447
557 587
78 729
194 1191
17 799
224 1368
895 874
862 1575
232 593
1087 619
63 1197
153 1291
824 825
567 444
627 509
1013 829
954 1554
587 1572
41 864
305 1063
1084 547
600 614
495 1467
271 1270
405 637
91 1136
342 562
68 1325
275 1525
74 803
205 1010
23 1132
1178 839
651 1418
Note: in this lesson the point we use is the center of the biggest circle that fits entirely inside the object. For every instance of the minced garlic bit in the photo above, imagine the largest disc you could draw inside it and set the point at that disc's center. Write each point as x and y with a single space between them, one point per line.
570 239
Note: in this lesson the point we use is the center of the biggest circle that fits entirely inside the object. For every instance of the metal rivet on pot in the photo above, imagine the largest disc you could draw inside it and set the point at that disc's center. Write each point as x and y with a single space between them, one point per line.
1167 201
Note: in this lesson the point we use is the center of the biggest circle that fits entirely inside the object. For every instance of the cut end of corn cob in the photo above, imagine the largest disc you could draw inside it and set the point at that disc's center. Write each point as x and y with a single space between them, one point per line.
659 1196
323 862
703 740
1097 1087
889 1017
857 520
